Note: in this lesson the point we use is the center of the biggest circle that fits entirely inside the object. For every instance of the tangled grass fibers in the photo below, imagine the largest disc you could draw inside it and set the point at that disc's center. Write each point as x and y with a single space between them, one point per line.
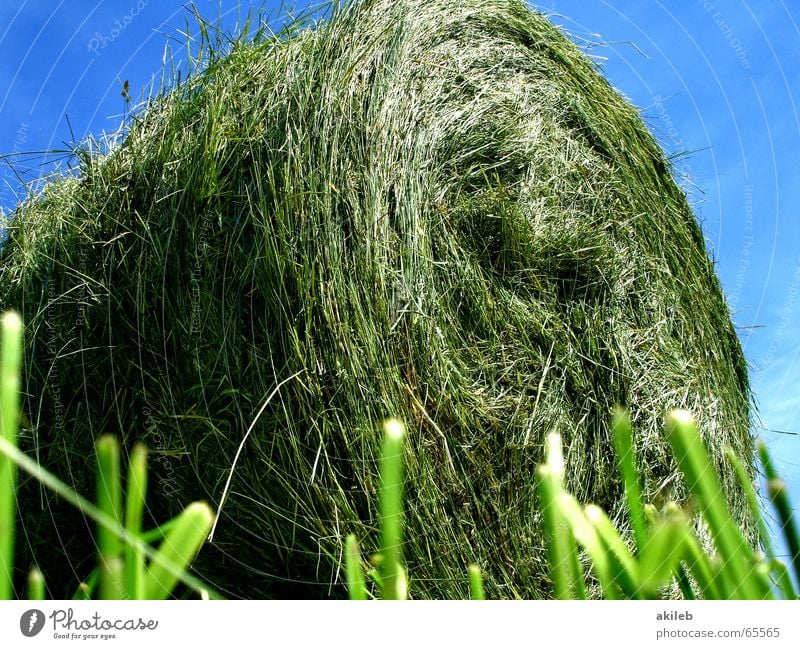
433 209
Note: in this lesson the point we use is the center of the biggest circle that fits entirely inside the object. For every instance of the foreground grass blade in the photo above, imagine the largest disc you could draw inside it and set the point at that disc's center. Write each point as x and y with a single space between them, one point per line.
626 459
776 489
556 531
109 501
393 576
587 536
178 549
88 509
623 565
562 551
134 510
565 568
778 494
705 571
663 551
782 579
356 587
109 495
476 583
752 502
579 582
83 592
112 576
10 361
35 584
706 490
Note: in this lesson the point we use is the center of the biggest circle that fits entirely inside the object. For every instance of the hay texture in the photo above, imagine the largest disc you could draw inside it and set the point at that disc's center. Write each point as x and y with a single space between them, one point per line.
437 210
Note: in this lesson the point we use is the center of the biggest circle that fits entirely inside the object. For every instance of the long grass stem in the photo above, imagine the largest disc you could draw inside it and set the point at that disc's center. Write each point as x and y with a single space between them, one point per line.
391 510
10 361
356 586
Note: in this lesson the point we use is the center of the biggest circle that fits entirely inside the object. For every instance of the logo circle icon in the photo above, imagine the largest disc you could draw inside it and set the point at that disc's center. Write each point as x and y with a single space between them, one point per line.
31 622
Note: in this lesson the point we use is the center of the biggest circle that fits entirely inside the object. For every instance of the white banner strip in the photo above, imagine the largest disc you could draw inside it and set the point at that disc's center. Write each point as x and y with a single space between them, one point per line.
386 625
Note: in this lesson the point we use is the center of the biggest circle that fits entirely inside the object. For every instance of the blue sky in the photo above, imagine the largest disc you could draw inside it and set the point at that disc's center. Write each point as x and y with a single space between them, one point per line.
718 82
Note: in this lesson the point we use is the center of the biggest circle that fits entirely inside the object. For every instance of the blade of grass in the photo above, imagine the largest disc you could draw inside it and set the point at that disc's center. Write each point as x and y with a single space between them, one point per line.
35 584
752 501
476 583
356 587
626 458
88 509
83 592
579 582
778 494
705 573
782 579
134 510
664 550
684 583
109 495
112 574
560 542
10 362
177 550
776 490
565 567
391 510
586 535
690 452
624 567
158 533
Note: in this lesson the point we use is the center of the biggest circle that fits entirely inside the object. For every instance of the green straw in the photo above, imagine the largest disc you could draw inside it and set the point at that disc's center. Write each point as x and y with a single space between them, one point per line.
355 574
84 506
112 575
391 511
10 363
626 458
778 494
705 487
623 565
752 501
178 549
35 584
585 533
776 489
565 566
475 583
665 548
134 510
109 495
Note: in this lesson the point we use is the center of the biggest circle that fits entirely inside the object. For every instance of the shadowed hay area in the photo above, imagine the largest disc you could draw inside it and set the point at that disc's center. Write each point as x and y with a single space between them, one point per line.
432 209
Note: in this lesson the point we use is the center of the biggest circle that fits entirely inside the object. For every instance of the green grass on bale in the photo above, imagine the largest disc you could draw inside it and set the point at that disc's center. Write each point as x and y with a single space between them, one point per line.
437 210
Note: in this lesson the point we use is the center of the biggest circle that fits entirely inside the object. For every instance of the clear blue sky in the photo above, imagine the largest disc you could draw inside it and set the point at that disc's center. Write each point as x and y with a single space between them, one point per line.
717 81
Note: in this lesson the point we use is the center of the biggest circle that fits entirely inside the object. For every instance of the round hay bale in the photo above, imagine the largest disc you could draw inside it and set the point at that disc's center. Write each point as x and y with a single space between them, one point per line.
432 209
